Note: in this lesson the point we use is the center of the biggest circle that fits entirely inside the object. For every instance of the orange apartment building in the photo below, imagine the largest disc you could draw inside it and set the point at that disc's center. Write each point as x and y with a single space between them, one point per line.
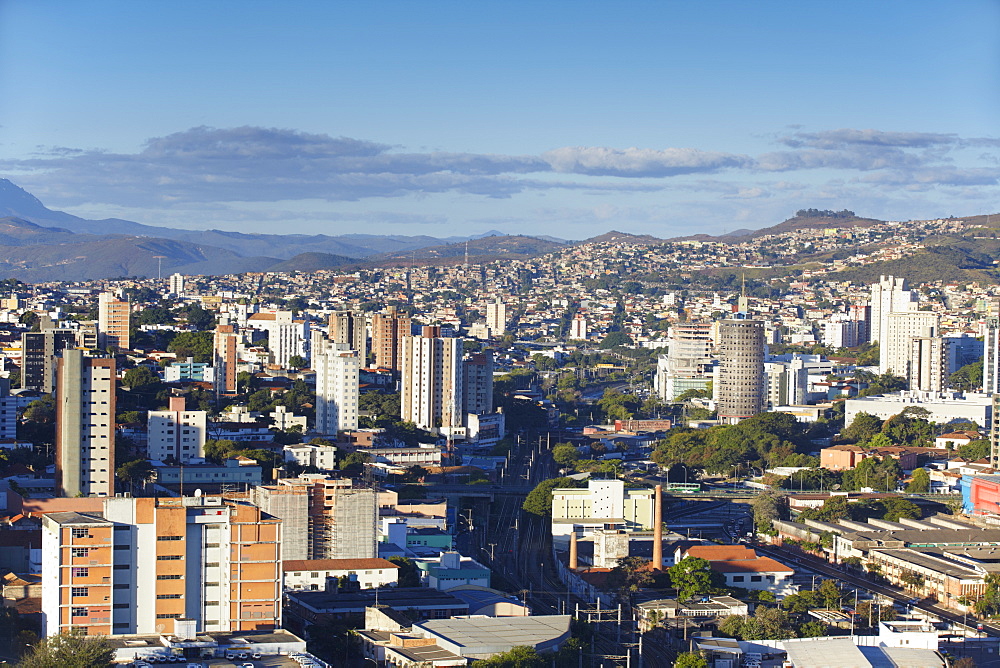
224 359
843 457
388 333
143 563
113 322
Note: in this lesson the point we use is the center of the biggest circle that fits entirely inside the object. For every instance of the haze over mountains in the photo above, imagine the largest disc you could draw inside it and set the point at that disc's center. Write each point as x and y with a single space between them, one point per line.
39 244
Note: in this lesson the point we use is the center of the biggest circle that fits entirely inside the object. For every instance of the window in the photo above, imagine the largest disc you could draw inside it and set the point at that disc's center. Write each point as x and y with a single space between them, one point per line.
79 591
81 551
168 557
81 572
738 578
207 545
168 577
168 596
170 538
172 615
122 567
80 612
756 578
212 564
81 532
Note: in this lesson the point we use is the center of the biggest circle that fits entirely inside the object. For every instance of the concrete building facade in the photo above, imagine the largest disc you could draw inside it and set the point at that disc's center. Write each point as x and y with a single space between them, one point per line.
432 395
176 434
85 425
147 562
337 367
740 375
113 322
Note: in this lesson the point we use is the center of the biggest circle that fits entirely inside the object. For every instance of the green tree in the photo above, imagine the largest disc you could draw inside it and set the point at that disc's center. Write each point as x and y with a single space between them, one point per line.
920 482
520 656
409 574
975 450
218 450
614 340
539 500
630 575
690 660
135 471
70 650
862 428
814 629
768 507
691 576
830 594
198 345
41 410
565 455
140 376
297 362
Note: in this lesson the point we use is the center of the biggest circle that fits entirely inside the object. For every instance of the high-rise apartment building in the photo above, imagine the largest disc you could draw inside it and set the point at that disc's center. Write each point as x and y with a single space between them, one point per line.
113 322
925 369
496 317
143 563
432 396
85 425
337 367
176 284
224 359
176 434
287 336
389 329
740 375
350 328
889 295
895 348
578 329
477 383
39 351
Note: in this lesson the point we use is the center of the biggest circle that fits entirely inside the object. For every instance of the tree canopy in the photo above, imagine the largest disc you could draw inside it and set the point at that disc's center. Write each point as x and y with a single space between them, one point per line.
70 650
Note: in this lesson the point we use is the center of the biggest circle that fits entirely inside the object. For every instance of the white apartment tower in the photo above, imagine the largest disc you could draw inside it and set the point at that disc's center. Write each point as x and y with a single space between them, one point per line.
496 317
287 336
895 347
337 368
176 284
432 377
578 328
176 434
85 425
889 295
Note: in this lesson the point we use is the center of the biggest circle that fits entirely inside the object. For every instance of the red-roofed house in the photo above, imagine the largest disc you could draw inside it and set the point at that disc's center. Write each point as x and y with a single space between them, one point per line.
742 567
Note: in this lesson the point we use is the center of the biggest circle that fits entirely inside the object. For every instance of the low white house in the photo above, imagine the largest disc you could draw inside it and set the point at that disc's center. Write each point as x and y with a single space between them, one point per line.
313 574
323 457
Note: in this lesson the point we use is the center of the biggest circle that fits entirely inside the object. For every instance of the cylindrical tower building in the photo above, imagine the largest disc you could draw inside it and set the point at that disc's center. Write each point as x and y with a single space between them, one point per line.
741 370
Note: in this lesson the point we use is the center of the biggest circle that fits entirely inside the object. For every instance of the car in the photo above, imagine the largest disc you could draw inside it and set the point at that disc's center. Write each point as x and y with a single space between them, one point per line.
246 665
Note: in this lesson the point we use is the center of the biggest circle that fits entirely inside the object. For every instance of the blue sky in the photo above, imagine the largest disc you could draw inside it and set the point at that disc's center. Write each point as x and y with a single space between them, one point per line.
560 118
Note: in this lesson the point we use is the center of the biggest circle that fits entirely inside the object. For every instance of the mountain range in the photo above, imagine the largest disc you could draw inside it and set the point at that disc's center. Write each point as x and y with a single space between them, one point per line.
38 244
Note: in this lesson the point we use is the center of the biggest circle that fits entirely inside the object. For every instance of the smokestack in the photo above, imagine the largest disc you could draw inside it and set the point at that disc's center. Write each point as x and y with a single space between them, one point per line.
658 529
572 551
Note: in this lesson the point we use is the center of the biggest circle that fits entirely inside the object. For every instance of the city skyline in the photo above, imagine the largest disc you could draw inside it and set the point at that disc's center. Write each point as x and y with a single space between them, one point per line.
450 119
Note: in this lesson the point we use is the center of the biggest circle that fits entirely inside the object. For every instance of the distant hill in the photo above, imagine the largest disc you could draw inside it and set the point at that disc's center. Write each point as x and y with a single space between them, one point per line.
513 246
313 262
950 264
78 248
615 235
